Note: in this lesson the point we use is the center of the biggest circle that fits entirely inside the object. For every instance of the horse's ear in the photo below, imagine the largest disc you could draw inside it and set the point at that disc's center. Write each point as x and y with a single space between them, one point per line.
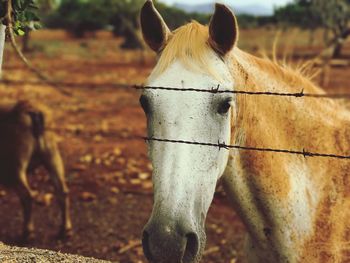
154 30
223 30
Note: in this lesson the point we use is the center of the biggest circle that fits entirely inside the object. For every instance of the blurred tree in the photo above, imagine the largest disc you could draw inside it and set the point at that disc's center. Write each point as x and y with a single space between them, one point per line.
81 16
298 13
265 20
335 18
78 16
332 15
301 14
124 19
44 7
26 39
247 21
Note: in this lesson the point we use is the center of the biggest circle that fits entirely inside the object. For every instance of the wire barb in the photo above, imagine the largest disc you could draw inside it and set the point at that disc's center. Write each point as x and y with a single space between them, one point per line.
301 94
222 146
215 90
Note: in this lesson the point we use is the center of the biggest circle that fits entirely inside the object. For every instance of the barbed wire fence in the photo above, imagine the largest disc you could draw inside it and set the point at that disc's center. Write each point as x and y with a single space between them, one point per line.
215 90
222 145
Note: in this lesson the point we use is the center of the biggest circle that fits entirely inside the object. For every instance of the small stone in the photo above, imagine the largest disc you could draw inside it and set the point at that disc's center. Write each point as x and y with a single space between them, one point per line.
117 152
143 176
115 190
2 193
98 138
86 158
113 200
135 181
147 185
87 196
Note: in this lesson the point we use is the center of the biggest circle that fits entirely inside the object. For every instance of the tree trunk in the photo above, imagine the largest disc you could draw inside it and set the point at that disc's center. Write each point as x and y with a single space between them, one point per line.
337 50
2 45
311 37
326 36
132 40
25 40
339 43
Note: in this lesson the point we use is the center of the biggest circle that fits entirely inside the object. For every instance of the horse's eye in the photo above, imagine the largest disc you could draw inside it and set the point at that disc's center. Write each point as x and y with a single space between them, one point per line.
224 106
145 104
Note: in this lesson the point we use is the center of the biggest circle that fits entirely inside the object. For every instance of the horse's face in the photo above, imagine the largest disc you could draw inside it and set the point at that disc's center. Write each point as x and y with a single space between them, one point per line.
185 175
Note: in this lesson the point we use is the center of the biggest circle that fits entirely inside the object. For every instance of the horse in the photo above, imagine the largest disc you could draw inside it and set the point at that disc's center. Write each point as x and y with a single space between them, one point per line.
295 208
26 144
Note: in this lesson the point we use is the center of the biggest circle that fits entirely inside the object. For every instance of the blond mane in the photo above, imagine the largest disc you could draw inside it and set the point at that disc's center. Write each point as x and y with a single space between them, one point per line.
188 44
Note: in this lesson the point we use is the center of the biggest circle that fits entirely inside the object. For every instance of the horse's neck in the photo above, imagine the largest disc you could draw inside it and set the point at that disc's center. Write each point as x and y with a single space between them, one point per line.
316 190
315 125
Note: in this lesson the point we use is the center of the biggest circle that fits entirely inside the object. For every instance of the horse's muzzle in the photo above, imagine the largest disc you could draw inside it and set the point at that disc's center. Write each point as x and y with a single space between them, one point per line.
167 243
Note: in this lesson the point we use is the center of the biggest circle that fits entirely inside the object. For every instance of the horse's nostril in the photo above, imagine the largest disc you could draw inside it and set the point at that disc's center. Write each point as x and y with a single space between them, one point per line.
191 249
145 245
162 243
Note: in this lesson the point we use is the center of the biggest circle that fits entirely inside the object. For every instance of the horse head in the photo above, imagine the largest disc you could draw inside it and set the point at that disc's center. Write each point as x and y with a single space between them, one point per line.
193 57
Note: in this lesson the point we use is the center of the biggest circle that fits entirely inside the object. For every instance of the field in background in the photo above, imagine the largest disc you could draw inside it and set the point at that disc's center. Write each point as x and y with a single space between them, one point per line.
107 167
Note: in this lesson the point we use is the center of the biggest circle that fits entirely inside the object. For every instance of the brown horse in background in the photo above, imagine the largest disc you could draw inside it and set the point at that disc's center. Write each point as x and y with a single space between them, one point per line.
25 144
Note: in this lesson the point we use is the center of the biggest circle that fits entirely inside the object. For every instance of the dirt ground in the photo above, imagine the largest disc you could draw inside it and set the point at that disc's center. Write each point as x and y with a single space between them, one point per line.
107 168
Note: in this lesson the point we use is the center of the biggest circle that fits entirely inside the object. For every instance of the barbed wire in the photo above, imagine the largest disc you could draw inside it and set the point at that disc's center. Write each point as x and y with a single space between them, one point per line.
216 90
219 145
127 135
212 90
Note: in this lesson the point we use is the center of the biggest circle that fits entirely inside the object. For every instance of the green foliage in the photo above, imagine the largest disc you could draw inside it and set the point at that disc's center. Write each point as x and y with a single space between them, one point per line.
298 13
123 14
23 14
246 21
47 6
310 14
78 16
81 16
334 14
